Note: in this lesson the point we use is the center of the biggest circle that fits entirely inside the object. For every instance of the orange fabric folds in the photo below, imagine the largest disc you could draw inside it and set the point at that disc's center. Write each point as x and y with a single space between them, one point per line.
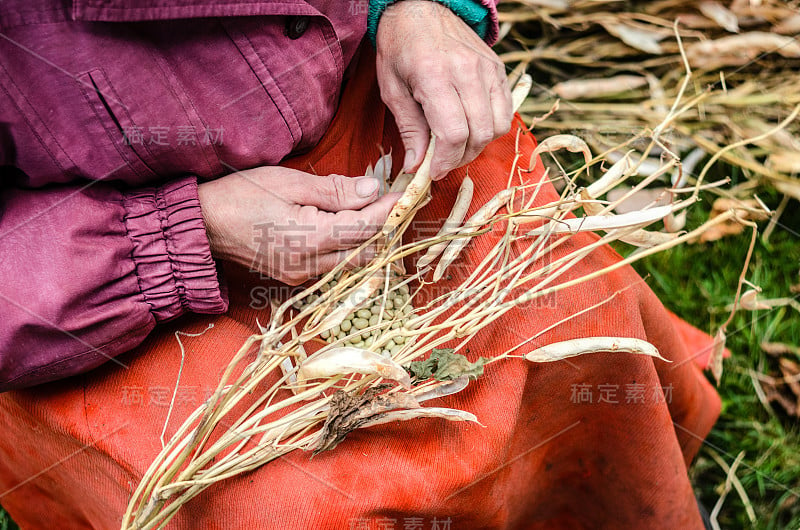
602 441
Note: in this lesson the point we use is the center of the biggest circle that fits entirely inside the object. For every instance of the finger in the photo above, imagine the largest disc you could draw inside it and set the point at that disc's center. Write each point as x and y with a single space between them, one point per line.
410 119
327 262
349 228
474 93
447 121
296 269
502 106
332 193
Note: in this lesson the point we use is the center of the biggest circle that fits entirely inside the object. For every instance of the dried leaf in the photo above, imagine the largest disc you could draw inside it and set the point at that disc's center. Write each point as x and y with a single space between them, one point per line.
730 228
351 411
446 365
717 232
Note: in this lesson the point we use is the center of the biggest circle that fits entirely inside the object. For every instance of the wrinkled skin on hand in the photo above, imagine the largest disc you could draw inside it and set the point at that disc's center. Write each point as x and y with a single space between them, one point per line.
436 75
290 225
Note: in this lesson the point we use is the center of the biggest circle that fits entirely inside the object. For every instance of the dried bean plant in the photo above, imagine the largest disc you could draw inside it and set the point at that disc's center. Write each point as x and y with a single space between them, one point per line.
378 339
615 67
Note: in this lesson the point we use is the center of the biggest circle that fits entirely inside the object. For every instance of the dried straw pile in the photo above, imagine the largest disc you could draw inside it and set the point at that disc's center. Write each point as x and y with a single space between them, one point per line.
616 68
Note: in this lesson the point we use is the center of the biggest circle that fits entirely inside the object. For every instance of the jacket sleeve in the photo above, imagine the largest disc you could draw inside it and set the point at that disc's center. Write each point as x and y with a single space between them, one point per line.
88 271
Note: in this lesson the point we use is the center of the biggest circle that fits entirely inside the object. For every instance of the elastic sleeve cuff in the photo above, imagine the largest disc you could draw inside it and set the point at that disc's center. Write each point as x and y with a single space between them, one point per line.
481 16
174 267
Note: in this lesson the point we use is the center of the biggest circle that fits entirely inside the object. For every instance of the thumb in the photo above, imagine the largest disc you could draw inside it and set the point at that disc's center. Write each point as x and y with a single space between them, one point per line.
411 123
333 193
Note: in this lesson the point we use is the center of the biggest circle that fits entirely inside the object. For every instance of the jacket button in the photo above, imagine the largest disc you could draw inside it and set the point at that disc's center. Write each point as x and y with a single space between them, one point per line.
296 26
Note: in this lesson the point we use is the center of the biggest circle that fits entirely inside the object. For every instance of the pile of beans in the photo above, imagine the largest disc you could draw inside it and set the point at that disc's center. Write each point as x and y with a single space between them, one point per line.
397 309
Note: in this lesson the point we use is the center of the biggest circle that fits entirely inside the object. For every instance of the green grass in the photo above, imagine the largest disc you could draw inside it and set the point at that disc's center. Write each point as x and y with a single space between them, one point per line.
698 282
5 521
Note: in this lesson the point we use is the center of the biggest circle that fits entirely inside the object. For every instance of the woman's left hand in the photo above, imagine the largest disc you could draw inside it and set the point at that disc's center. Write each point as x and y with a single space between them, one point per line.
436 75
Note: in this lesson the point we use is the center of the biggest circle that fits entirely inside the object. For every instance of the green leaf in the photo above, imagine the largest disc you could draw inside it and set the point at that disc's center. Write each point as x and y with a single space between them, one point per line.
445 365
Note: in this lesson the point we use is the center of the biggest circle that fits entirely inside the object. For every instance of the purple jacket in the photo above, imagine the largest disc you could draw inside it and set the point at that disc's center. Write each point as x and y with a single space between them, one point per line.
109 112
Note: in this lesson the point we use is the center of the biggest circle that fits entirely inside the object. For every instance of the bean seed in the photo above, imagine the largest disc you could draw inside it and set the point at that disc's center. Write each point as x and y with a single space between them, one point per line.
335 330
325 334
341 335
369 342
365 334
325 288
360 323
396 324
364 313
404 289
399 340
346 325
373 320
396 350
376 308
359 344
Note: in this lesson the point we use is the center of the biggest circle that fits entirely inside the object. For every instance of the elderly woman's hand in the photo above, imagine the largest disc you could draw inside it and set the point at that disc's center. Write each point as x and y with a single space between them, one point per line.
291 225
436 74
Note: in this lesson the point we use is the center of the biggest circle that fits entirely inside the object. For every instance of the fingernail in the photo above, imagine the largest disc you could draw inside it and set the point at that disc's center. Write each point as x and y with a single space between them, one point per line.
366 186
408 163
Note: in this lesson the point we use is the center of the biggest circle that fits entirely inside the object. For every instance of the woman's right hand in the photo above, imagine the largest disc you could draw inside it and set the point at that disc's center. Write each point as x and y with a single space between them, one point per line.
291 225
